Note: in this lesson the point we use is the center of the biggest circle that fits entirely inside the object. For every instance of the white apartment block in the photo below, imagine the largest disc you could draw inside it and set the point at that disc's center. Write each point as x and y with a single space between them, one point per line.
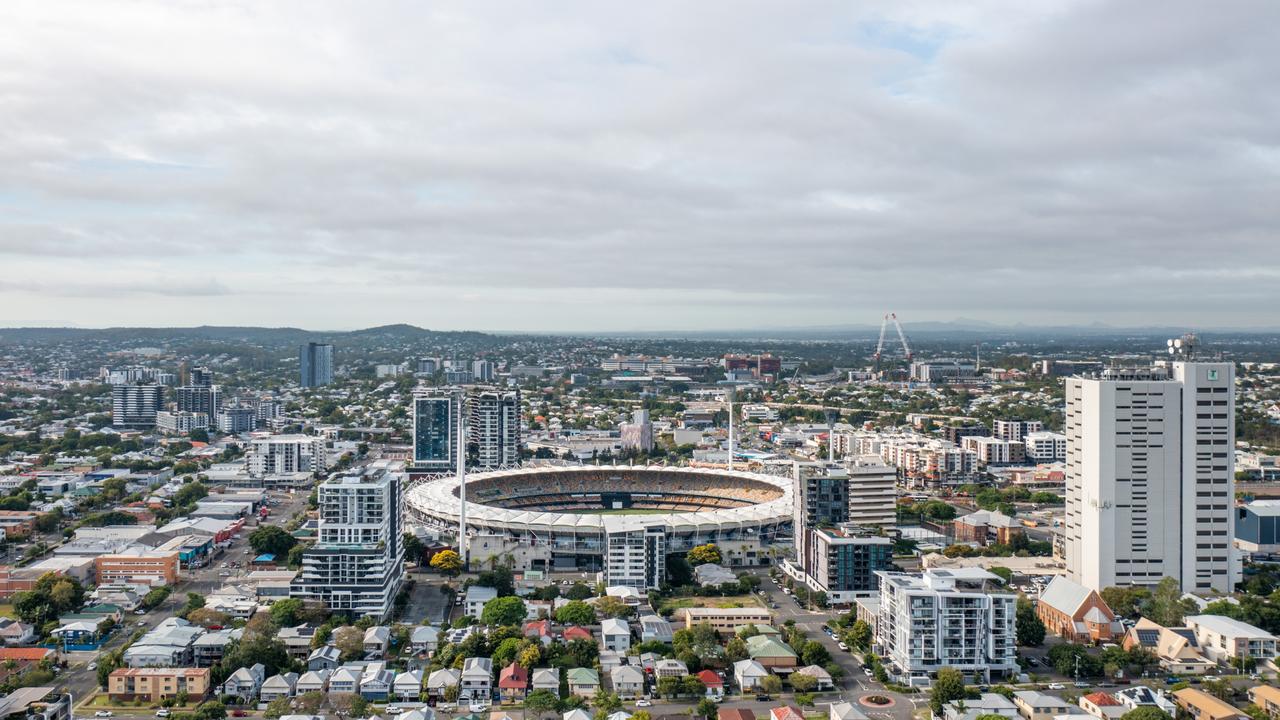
636 558
1015 430
1222 638
758 414
1045 447
281 454
994 450
873 492
1151 477
181 423
956 618
495 428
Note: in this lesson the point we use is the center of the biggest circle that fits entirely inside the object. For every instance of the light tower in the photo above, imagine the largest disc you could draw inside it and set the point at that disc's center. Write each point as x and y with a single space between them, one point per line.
729 395
462 483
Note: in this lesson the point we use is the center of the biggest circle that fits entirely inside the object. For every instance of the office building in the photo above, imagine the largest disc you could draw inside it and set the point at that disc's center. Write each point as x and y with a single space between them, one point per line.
237 419
482 371
1150 477
636 558
205 399
315 364
1015 430
356 566
873 492
494 429
284 454
135 405
437 414
957 618
638 434
181 423
943 370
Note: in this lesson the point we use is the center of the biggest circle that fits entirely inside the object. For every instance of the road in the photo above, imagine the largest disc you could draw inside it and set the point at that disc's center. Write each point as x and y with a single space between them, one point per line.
81 682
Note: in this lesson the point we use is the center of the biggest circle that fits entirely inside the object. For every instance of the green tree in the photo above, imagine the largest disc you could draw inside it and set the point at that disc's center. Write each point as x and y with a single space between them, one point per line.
578 591
614 608
286 612
576 612
1030 629
606 702
1146 712
703 554
503 611
948 686
272 539
859 636
1125 601
1167 606
277 707
1003 572
539 703
705 709
813 652
771 684
802 683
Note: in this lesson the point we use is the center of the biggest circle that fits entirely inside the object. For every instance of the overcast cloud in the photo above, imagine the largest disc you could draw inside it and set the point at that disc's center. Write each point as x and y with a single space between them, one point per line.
582 166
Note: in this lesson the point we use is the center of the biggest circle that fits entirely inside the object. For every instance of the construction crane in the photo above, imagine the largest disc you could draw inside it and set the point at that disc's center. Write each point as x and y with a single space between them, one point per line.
884 325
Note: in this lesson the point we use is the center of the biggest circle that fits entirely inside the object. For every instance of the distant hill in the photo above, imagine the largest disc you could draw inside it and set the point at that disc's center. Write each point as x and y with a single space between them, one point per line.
229 334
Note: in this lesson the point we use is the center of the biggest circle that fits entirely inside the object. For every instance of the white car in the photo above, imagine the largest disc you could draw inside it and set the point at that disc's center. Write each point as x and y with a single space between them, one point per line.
103 714
1057 686
93 666
162 713
394 710
643 703
842 646
479 707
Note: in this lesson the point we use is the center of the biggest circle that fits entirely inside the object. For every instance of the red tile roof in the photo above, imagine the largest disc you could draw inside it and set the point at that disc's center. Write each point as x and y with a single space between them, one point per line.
1102 699
513 677
24 653
735 714
710 679
577 632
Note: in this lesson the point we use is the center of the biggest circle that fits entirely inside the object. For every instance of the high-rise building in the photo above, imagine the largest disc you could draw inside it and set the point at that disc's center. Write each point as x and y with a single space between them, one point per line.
315 364
820 492
205 399
1015 430
1150 476
482 370
282 454
428 366
200 377
495 427
842 561
638 434
357 564
873 492
268 408
636 558
135 405
437 414
958 618
237 419
181 423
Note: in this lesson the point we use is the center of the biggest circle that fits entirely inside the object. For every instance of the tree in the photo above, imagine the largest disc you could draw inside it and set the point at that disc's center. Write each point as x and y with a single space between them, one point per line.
447 563
272 540
1125 601
578 591
189 493
802 683
285 612
706 709
813 652
207 617
771 684
503 611
703 554
1166 606
350 640
606 702
1030 628
540 702
359 706
310 702
1003 572
252 649
860 635
948 686
277 707
1067 657
735 650
669 687
211 710
576 612
342 702
1146 712
614 608
804 699
529 656
500 578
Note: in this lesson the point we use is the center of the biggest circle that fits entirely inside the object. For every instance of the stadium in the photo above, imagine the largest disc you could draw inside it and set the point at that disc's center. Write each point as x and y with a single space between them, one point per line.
618 520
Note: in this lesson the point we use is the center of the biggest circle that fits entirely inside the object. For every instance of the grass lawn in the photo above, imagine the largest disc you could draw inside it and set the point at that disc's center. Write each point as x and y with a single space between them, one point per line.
729 601
7 611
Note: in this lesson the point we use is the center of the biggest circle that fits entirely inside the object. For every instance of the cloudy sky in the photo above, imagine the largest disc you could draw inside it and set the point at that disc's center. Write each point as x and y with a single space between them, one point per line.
660 165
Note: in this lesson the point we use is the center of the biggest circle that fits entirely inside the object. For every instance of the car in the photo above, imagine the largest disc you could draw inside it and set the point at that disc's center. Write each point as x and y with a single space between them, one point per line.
1057 686
104 714
1173 680
93 666
394 709
142 623
1032 662
162 712
238 713
477 707
139 611
643 703
763 697
773 605
1082 684
842 646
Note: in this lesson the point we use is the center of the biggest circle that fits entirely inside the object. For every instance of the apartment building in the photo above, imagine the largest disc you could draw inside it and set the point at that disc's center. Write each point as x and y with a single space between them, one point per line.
285 454
1015 430
315 365
956 618
1045 447
842 562
494 428
181 423
155 684
1150 477
357 563
135 405
725 620
146 566
873 492
636 558
1223 639
995 451
437 418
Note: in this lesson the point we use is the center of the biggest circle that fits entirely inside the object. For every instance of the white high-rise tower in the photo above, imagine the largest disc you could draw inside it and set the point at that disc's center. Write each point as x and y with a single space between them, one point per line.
1151 475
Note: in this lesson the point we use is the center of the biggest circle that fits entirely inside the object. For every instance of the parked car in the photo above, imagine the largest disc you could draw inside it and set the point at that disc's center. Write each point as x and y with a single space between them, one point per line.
103 714
394 709
643 703
1057 686
842 646
762 697
162 713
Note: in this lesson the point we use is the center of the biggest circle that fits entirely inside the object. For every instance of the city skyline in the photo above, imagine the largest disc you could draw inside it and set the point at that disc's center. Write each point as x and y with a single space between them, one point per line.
585 168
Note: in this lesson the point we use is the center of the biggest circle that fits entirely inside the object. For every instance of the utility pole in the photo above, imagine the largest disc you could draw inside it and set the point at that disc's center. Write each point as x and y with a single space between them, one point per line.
729 396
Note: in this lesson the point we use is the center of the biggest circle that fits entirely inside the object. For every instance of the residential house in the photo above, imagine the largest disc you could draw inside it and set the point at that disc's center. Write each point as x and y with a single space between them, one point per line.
986 526
345 680
747 674
785 712
583 682
244 683
477 595
1076 614
985 704
1266 697
278 686
539 630
577 632
297 640
312 681
546 679
420 713
441 679
820 675
610 659
208 649
408 686
771 652
16 632
477 679
325 657
844 711
615 635
714 684
1142 696
735 714
168 645
1102 705
656 628
376 682
424 639
377 640
670 667
1201 705
1223 639
513 683
616 715
1176 649
81 635
1035 705
628 682
157 684
577 714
